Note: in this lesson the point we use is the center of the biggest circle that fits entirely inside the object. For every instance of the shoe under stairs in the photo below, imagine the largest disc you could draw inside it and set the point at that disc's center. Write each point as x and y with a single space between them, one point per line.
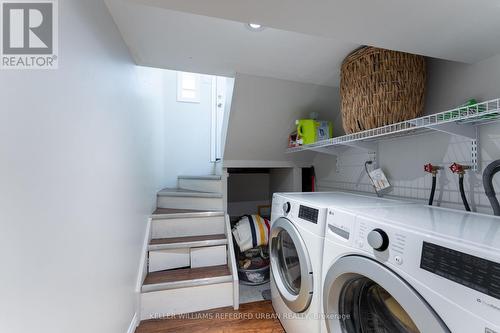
190 257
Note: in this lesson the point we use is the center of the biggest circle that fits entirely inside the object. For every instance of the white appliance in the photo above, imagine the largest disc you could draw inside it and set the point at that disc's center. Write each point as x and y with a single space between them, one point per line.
411 269
298 223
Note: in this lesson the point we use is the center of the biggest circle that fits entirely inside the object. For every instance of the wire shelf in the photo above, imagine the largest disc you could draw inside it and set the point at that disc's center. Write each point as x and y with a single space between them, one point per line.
459 121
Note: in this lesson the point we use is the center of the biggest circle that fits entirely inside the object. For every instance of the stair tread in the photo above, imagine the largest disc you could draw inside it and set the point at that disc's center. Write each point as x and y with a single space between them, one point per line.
180 192
186 274
202 177
165 211
188 239
171 213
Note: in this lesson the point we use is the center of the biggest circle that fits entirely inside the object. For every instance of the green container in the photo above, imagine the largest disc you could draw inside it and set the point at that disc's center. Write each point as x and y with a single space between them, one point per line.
306 129
310 130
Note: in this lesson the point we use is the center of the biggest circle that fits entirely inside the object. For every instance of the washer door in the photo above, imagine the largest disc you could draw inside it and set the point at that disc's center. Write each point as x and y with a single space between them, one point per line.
361 295
291 266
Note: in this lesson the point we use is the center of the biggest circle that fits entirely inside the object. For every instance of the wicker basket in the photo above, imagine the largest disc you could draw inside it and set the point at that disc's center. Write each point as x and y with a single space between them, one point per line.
380 87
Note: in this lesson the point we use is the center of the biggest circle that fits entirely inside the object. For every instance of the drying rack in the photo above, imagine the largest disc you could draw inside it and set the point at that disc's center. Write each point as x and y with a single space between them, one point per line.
462 121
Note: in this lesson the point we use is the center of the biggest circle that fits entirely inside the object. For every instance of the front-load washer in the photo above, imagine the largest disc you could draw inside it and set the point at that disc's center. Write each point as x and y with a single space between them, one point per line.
296 249
411 269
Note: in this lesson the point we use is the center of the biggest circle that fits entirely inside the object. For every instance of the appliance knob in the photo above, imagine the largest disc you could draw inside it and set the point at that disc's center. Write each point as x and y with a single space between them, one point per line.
378 240
286 207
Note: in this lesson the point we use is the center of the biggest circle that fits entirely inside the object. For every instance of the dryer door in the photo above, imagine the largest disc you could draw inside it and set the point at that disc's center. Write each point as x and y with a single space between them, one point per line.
361 295
291 266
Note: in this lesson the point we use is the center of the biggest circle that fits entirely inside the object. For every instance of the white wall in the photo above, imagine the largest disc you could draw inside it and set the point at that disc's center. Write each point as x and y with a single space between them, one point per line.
449 85
187 130
263 114
81 160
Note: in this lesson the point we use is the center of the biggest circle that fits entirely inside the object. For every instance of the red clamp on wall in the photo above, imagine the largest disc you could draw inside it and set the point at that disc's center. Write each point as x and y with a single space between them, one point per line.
459 168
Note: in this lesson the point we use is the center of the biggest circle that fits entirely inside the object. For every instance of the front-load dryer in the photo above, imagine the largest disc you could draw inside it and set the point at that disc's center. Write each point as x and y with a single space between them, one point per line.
411 269
298 223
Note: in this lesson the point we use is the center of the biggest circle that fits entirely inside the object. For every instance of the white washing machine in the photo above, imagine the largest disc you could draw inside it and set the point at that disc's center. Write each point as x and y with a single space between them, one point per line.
298 223
411 269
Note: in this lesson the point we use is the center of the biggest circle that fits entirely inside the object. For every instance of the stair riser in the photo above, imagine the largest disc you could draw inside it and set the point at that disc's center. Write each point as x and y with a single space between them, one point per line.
159 304
190 203
168 259
202 185
187 257
184 227
208 256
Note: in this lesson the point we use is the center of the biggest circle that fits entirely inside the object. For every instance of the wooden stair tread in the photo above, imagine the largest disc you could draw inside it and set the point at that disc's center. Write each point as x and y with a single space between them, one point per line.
188 239
174 213
186 274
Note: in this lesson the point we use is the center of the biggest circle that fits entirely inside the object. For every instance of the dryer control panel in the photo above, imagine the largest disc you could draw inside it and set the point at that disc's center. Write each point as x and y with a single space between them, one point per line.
309 214
303 214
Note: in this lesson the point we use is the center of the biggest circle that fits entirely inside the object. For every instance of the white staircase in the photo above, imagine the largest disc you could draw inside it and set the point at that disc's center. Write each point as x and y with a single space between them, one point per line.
190 255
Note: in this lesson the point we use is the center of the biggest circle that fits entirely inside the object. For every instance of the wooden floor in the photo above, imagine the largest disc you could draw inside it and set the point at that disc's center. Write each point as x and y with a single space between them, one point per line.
255 317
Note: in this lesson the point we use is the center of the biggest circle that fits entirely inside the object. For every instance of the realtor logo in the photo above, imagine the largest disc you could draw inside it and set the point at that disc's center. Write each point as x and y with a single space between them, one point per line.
29 34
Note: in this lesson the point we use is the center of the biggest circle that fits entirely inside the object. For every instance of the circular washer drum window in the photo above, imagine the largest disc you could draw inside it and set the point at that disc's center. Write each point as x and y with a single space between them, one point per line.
372 309
289 263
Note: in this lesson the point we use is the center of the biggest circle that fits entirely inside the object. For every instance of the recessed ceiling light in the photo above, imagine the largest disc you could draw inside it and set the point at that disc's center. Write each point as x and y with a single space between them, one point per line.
255 26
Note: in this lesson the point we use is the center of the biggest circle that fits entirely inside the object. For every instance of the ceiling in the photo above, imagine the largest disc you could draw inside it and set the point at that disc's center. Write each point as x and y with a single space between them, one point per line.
303 41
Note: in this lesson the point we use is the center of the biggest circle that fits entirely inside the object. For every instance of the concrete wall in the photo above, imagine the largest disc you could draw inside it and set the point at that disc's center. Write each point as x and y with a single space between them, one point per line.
449 85
81 161
187 131
263 114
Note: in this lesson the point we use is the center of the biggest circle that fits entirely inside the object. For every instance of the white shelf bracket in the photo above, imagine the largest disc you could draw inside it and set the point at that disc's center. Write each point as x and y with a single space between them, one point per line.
325 150
475 155
370 147
464 130
467 131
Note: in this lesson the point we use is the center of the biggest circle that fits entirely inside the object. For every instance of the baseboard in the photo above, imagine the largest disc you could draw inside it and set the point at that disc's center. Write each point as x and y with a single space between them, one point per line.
143 263
142 272
133 324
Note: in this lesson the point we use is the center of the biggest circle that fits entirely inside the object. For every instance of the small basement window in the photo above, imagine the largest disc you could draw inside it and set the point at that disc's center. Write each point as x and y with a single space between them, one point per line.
188 87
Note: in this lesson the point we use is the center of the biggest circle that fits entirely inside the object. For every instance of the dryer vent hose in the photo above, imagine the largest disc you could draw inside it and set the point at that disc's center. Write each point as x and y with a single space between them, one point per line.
488 174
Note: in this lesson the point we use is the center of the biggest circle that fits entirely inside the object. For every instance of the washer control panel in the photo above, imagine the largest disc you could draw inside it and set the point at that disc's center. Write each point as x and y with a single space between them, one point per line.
381 241
378 240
